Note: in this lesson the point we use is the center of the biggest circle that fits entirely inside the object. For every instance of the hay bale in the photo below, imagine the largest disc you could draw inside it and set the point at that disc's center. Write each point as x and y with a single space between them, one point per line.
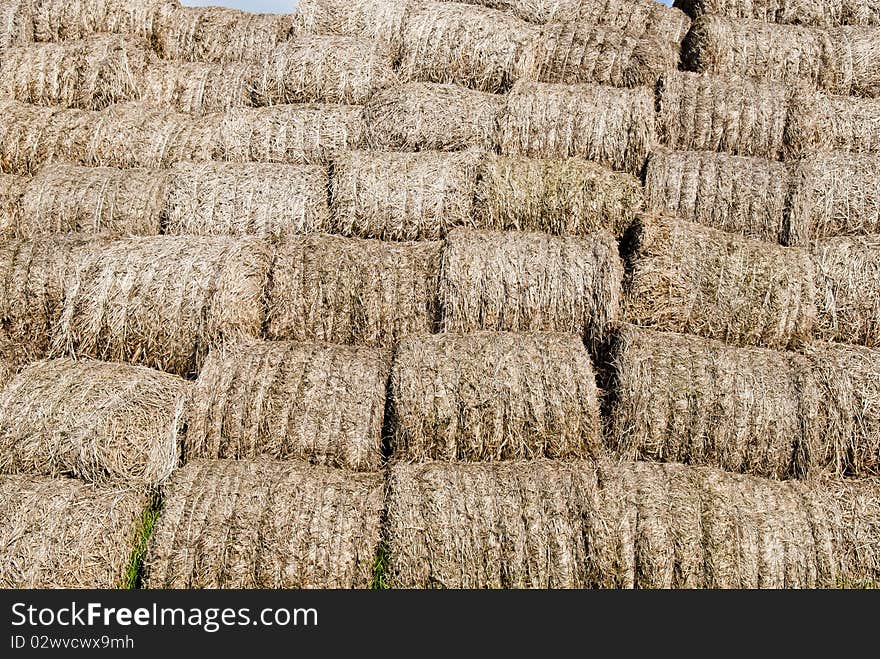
96 421
64 198
828 13
688 278
378 20
578 524
26 132
325 69
66 20
737 194
294 134
520 281
311 401
494 396
12 188
475 47
264 524
261 199
162 301
219 34
819 121
680 398
847 281
16 23
353 291
579 52
403 196
61 533
420 116
837 194
734 115
200 88
89 74
607 125
562 197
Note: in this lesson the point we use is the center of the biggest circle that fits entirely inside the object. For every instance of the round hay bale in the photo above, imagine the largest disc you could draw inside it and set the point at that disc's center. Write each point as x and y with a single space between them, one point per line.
403 196
733 115
264 524
24 133
737 194
294 134
64 198
62 533
97 421
378 20
12 188
66 20
261 199
316 402
520 281
820 122
688 278
494 396
200 88
16 23
561 197
847 282
353 291
609 126
579 52
476 47
837 194
826 13
420 116
162 301
219 34
680 398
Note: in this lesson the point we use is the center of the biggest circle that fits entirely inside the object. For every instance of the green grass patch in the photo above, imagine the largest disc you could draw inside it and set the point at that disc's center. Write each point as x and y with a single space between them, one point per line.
380 568
134 571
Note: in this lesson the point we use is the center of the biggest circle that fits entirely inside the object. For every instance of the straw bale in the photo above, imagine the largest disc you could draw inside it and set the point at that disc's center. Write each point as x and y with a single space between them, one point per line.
820 121
66 20
201 88
12 188
16 23
26 134
264 524
379 20
826 13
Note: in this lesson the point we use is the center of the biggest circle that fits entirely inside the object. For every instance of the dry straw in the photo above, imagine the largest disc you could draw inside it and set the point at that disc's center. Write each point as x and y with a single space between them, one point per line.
16 23
353 291
544 524
62 533
580 52
819 121
837 194
403 196
96 421
316 402
737 194
219 34
419 116
28 135
65 20
263 524
688 278
12 188
708 113
494 396
827 13
523 281
607 125
570 196
479 48
847 282
377 20
261 199
162 301
200 88
326 69
65 198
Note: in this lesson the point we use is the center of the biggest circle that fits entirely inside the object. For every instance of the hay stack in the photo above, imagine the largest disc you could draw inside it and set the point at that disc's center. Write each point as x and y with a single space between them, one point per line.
479 48
494 396
294 134
26 134
162 301
609 126
377 20
579 52
16 23
219 34
708 113
403 196
544 524
200 88
89 74
689 278
263 524
96 421
12 188
316 402
828 13
261 199
847 282
837 194
518 281
62 533
65 198
422 116
66 20
741 195
353 291
819 121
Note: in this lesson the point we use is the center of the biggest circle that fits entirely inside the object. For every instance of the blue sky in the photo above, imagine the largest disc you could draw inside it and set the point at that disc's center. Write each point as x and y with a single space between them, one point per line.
267 5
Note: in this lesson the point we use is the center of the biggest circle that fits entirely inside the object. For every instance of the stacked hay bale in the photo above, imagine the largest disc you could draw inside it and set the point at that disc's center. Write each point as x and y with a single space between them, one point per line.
11 190
16 23
822 122
200 88
378 20
826 14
